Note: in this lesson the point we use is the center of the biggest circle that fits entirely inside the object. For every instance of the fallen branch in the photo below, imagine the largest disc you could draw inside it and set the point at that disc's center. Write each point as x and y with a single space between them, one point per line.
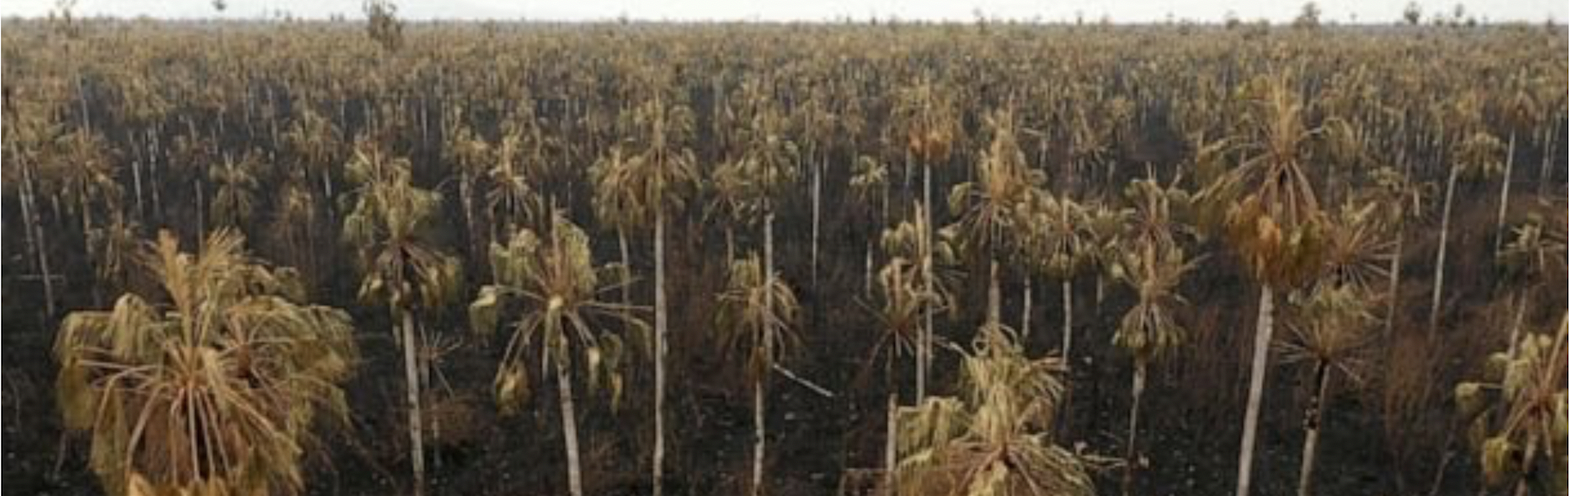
822 391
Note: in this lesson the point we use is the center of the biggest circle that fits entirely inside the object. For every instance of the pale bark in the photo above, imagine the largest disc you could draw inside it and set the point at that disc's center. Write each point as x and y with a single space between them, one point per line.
891 446
1314 424
1514 325
1067 321
759 438
923 352
1443 251
817 201
1503 195
1029 296
626 266
416 422
1394 283
569 427
868 266
1140 369
1261 340
661 319
994 296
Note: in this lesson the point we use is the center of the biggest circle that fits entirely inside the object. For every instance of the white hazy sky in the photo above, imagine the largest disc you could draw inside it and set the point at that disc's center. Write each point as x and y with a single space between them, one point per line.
962 10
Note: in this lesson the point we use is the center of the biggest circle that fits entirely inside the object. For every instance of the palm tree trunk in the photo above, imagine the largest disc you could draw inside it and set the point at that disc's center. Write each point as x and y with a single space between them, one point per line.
891 444
1514 326
466 195
1029 294
660 349
41 249
817 201
1503 195
869 266
994 296
136 183
626 266
201 220
569 427
1140 368
1443 250
1394 282
759 438
1067 321
1315 422
924 350
416 419
1261 341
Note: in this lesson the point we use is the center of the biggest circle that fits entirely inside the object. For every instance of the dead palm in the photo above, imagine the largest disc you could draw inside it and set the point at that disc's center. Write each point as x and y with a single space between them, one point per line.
1329 330
553 275
214 386
994 438
757 312
1150 329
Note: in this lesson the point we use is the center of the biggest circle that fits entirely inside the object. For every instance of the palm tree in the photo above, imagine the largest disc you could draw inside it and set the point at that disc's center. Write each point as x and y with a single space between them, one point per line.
553 274
655 186
1536 249
1150 328
234 199
1056 243
995 439
1275 229
908 241
757 312
1329 330
898 332
1400 198
869 184
1529 390
214 386
926 115
387 225
990 206
1476 155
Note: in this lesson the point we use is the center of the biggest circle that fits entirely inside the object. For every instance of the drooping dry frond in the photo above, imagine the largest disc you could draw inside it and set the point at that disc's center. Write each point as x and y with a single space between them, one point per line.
756 319
211 389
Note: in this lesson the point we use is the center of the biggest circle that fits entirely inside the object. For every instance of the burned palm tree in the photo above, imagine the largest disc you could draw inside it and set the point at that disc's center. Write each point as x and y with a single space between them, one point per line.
553 276
212 386
994 439
758 311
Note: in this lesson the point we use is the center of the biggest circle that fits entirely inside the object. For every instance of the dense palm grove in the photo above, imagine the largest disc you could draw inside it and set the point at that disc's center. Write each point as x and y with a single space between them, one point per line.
984 259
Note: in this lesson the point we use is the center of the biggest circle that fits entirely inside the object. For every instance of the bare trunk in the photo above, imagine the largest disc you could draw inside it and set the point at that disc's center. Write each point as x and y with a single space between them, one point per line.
817 201
868 266
1029 296
416 422
891 445
1503 195
923 352
1139 370
1394 283
1067 322
1514 326
569 427
1261 341
1443 250
759 438
136 183
41 249
994 296
201 213
626 266
1314 425
661 331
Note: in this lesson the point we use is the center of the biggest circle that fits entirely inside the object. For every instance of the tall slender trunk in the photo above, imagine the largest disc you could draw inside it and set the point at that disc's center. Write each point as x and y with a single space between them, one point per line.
817 202
136 183
1067 321
569 427
923 352
994 296
1261 340
891 445
466 196
1394 282
1029 296
416 419
759 438
868 266
1140 369
201 212
1545 172
1443 250
30 208
661 332
626 266
1503 195
1314 425
1514 325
